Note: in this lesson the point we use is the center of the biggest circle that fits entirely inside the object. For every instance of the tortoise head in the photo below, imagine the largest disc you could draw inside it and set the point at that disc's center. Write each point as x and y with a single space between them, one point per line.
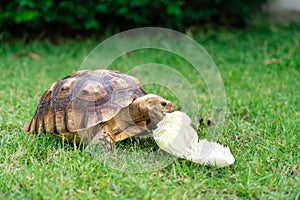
153 108
157 103
153 103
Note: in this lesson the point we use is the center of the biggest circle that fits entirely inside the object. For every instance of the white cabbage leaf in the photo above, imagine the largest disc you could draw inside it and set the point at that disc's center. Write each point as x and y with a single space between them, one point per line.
175 135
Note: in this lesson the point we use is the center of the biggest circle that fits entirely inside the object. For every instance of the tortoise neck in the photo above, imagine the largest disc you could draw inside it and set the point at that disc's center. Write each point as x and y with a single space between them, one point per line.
137 111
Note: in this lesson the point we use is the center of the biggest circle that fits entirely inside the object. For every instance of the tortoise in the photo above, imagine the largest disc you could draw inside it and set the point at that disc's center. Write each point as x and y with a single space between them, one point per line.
99 107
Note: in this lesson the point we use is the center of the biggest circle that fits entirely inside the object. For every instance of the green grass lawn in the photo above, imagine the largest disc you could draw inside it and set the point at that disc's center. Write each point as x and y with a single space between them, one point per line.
262 123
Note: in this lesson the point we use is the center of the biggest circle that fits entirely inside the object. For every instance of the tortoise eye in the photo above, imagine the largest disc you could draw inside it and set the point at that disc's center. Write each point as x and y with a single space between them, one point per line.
163 103
148 121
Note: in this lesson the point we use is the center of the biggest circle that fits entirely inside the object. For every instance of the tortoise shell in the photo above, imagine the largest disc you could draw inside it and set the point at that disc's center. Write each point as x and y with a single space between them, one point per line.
82 100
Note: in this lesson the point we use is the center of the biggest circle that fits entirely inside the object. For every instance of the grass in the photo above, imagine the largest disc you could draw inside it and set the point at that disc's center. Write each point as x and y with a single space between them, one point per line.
262 124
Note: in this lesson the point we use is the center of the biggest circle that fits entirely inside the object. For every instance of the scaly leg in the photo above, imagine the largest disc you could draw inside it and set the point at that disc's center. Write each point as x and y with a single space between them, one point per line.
131 130
101 142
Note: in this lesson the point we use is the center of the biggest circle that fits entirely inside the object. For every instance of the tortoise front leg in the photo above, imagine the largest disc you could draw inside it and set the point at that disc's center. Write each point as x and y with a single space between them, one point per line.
105 137
131 130
101 142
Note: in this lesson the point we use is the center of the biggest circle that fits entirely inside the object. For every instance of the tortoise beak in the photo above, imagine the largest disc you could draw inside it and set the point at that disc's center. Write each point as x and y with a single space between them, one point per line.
169 108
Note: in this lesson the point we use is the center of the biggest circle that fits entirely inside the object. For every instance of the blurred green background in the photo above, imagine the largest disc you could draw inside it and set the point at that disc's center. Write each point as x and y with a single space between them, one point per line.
69 18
